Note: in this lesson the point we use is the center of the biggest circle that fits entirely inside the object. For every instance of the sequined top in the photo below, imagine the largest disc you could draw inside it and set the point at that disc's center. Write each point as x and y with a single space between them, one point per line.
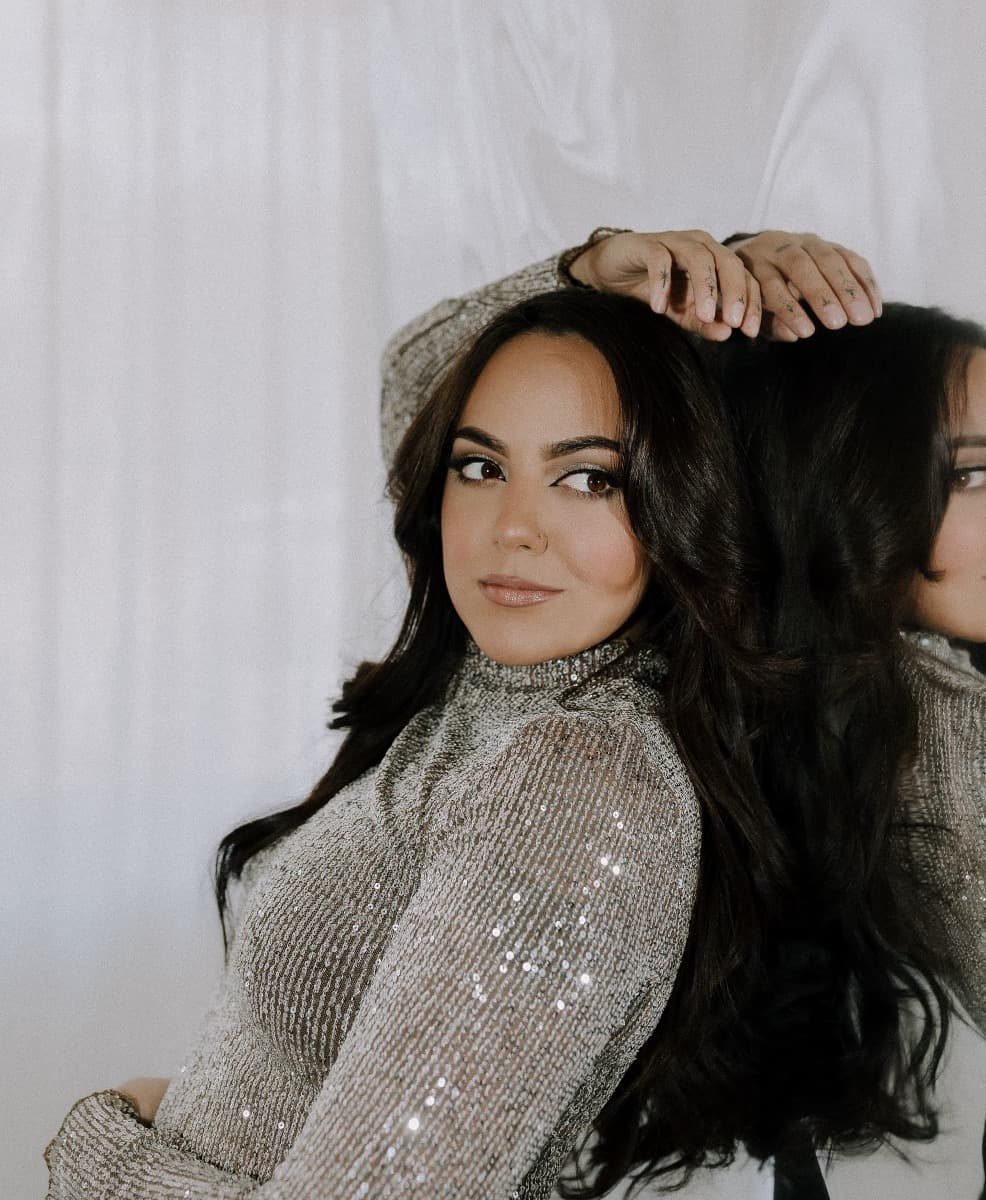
442 975
946 790
438 980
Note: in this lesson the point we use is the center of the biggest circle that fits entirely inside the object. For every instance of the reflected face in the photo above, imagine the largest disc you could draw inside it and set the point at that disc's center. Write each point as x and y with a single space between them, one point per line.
539 558
956 604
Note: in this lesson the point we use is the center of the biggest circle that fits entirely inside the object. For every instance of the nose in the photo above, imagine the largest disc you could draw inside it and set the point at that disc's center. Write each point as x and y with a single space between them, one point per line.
518 524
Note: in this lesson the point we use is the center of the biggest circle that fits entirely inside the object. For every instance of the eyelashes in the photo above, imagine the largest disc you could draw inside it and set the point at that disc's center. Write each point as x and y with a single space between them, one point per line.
588 480
968 479
594 476
474 468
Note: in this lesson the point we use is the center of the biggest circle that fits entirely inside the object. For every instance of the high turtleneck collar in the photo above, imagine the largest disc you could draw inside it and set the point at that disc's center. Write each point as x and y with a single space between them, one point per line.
555 673
939 647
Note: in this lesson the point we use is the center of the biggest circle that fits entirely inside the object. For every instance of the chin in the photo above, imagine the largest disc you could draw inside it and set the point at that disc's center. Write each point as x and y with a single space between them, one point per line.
515 652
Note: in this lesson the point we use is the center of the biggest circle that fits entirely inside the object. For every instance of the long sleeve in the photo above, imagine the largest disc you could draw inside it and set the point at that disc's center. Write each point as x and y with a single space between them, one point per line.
945 795
417 354
102 1150
533 960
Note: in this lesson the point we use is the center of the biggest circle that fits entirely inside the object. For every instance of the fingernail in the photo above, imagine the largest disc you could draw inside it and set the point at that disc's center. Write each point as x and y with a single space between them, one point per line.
860 312
833 316
804 327
737 311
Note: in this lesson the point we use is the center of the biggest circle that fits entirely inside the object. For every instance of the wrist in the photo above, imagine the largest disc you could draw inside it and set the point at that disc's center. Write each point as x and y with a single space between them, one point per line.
575 265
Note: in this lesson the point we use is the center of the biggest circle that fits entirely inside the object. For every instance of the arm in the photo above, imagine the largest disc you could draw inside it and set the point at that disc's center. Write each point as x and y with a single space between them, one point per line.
531 965
703 286
655 267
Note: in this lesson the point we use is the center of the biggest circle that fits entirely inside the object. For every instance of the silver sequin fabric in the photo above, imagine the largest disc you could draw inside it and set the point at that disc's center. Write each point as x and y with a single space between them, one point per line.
946 792
440 978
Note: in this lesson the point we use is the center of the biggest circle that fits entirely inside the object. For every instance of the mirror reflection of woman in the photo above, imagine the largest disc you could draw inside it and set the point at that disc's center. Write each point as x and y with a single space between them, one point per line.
536 889
869 451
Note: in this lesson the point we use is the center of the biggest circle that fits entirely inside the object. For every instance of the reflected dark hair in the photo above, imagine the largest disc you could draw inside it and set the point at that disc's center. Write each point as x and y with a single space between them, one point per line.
848 441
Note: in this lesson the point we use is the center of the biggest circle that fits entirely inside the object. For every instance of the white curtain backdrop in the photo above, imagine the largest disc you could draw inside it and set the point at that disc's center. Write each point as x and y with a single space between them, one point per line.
212 214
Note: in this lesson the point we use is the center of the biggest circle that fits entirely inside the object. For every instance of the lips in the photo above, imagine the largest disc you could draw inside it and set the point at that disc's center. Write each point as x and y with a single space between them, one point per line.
510 591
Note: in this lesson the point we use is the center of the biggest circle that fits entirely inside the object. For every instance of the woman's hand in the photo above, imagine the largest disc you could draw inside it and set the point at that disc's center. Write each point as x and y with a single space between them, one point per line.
836 283
689 276
145 1094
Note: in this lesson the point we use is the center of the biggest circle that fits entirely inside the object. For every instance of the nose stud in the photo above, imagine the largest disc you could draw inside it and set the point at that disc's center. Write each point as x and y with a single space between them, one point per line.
537 542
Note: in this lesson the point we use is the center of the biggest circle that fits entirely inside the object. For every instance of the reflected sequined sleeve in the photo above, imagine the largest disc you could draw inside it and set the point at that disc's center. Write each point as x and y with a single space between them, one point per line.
550 919
944 792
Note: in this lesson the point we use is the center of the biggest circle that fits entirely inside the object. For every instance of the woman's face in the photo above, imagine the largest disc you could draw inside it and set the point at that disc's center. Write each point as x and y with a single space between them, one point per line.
956 604
539 558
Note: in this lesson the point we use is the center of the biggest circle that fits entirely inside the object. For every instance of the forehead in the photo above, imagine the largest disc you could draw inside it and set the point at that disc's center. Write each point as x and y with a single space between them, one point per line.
973 421
546 388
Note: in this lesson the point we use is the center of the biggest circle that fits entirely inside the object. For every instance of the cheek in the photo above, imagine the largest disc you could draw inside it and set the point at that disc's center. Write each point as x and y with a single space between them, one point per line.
961 541
451 527
459 529
607 556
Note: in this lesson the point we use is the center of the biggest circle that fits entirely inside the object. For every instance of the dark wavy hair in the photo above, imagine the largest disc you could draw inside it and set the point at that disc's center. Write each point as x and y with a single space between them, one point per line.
696 1087
847 438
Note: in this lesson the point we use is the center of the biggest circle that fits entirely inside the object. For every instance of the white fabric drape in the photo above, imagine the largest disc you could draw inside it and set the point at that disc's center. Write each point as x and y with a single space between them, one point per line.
212 215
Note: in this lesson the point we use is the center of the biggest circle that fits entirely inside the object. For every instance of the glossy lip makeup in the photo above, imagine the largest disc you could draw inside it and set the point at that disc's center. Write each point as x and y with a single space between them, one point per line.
509 591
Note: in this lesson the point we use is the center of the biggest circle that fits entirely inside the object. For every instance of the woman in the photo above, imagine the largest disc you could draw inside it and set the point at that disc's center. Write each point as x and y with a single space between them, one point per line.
437 979
869 452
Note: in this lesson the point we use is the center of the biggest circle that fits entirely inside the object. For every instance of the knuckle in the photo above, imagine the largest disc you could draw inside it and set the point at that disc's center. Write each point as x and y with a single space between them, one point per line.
830 259
774 292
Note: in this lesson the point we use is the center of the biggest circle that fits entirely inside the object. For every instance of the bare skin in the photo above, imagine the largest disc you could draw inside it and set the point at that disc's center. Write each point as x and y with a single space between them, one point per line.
711 289
145 1094
954 603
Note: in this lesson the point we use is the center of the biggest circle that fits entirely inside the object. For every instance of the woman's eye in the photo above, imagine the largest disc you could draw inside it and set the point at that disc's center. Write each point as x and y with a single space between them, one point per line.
965 479
476 470
590 483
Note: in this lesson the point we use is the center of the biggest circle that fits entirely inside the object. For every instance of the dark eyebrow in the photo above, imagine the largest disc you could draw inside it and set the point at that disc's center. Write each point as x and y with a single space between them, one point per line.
472 434
577 445
972 439
554 450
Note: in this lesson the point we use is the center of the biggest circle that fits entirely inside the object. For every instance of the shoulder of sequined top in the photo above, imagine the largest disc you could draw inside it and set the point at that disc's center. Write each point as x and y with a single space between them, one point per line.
634 681
941 661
